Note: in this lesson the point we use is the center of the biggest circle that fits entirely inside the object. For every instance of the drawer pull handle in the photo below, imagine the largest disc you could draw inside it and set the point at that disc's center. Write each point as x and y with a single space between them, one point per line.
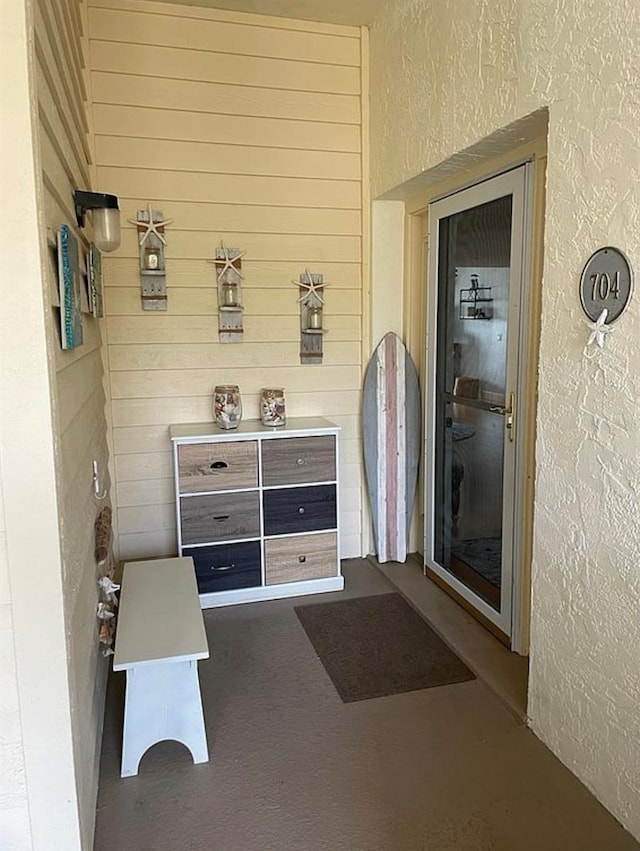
300 462
302 559
222 567
218 465
301 510
221 517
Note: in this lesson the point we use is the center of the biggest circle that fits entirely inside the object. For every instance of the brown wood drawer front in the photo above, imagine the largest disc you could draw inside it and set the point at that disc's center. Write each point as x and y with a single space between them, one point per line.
220 517
296 460
217 466
304 557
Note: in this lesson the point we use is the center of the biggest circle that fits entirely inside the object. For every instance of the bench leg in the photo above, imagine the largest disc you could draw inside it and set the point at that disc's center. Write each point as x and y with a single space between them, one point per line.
162 702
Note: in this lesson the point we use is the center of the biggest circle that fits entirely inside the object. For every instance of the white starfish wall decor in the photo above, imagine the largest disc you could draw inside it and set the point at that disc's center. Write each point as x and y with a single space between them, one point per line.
599 331
228 261
151 227
312 289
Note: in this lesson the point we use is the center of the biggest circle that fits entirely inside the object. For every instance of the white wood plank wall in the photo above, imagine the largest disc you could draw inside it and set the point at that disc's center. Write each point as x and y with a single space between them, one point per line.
79 400
244 129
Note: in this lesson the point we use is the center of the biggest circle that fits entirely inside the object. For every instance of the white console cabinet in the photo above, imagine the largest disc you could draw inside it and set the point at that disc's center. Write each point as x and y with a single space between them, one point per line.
257 509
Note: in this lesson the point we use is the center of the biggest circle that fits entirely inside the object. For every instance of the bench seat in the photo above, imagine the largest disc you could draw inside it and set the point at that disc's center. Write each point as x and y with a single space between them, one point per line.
159 640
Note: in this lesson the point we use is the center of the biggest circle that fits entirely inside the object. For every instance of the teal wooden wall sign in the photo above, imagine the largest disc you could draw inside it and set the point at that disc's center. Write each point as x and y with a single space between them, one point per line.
69 284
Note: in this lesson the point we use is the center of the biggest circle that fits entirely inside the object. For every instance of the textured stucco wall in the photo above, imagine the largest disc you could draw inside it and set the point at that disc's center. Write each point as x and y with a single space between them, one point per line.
443 76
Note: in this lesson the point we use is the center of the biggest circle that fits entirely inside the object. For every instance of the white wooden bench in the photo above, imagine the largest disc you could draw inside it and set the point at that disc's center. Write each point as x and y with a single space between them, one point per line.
159 639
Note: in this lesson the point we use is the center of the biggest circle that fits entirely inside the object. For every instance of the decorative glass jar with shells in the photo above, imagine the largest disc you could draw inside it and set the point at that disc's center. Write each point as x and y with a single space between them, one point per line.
272 409
227 406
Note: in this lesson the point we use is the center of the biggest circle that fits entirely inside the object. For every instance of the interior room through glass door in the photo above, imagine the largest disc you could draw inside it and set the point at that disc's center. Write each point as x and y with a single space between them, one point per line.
475 239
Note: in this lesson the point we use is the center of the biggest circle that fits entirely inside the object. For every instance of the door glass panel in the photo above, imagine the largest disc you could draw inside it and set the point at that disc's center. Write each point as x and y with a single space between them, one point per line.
473 295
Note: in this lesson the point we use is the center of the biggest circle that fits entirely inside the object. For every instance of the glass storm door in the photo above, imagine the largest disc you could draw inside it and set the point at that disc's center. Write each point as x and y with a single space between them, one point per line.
473 322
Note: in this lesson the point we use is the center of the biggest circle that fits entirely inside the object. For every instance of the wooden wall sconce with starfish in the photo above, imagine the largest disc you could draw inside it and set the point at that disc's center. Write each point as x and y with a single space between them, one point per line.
229 281
311 301
151 244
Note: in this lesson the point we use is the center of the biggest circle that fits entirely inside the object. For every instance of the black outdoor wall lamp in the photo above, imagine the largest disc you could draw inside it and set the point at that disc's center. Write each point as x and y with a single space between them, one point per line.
105 216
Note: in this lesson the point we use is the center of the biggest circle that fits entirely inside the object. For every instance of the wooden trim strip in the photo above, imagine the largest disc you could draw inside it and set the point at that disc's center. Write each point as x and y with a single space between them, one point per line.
65 206
67 76
151 123
140 27
64 43
52 75
220 66
119 89
401 518
76 16
390 378
221 158
51 120
75 39
366 536
54 167
381 488
229 188
224 16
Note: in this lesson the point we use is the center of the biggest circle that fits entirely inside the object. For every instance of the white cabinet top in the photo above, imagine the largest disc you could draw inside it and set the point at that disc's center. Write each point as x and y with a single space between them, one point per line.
296 426
160 619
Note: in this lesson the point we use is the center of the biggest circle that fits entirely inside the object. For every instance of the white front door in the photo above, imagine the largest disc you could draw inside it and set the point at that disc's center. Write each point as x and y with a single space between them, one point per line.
476 247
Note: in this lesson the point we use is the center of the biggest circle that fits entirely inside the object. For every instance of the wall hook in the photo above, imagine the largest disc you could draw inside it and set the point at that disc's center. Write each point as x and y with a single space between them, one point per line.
96 482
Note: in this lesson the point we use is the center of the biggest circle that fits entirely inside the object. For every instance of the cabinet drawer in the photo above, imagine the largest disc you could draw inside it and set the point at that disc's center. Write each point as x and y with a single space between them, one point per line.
302 557
299 509
226 566
219 517
217 466
297 460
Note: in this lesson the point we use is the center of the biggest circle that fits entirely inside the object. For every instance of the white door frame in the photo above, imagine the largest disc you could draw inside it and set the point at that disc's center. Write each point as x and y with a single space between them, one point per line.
517 183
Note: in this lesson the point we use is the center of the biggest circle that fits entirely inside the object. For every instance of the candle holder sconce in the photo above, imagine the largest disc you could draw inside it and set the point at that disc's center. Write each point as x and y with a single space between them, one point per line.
311 302
151 244
229 280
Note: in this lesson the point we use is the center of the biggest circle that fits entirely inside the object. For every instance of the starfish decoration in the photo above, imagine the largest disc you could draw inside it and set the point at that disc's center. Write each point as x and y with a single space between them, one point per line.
311 288
228 262
151 227
599 330
109 588
104 612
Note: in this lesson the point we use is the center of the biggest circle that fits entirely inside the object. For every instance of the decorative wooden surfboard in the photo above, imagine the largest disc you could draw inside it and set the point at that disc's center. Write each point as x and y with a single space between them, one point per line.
391 419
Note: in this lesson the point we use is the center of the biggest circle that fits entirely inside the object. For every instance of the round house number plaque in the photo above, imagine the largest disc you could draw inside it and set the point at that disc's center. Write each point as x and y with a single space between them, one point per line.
606 282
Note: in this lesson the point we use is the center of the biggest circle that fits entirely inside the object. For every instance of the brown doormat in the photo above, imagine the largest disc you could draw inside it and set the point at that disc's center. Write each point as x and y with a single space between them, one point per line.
377 646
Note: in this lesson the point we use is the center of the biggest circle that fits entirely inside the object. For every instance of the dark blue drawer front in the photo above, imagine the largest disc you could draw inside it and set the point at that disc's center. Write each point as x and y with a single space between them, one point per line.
227 566
290 510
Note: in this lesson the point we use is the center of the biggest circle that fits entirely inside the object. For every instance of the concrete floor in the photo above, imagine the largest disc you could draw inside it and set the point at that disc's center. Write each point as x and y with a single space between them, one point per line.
294 769
505 672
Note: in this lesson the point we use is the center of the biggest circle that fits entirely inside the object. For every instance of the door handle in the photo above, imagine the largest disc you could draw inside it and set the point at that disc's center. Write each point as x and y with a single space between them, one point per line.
510 415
